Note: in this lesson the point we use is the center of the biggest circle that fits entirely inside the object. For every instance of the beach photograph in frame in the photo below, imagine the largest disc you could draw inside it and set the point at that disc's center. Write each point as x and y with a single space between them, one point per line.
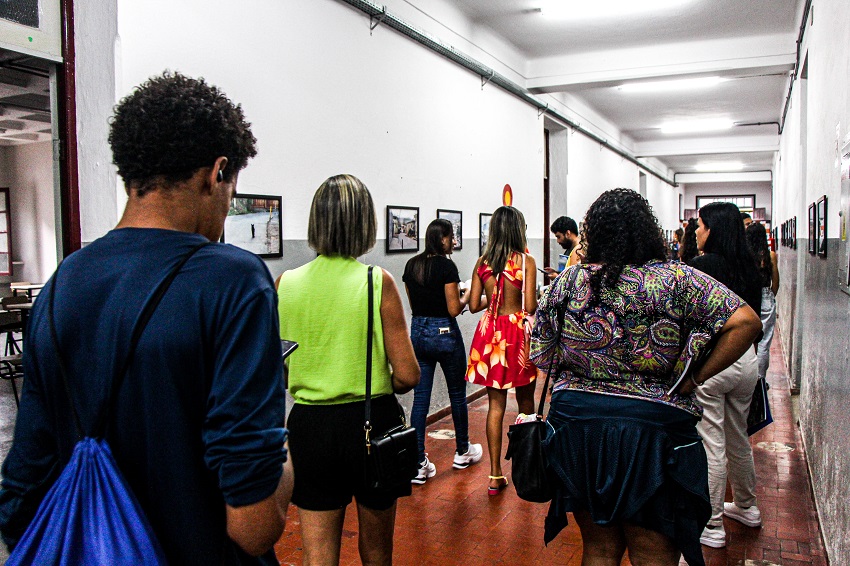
456 218
402 229
821 234
253 224
812 230
483 230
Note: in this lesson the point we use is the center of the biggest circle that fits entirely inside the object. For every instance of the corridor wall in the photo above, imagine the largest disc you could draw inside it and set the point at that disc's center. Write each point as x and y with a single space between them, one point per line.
327 96
28 172
813 310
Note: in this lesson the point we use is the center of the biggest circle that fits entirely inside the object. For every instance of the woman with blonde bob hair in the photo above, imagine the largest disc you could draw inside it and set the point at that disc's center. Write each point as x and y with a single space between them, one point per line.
498 357
323 306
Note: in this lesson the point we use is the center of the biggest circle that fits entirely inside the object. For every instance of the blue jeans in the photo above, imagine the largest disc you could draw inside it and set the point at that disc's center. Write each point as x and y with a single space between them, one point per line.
438 340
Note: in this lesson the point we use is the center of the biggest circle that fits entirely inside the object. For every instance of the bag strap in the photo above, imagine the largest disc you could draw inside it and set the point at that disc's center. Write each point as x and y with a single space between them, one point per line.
522 288
369 329
142 322
560 313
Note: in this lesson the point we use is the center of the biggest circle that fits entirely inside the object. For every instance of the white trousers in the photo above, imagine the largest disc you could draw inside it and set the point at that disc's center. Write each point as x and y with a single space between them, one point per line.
768 323
725 399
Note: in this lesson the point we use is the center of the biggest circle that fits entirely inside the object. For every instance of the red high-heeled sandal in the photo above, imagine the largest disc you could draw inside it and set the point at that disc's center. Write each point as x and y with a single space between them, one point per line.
501 486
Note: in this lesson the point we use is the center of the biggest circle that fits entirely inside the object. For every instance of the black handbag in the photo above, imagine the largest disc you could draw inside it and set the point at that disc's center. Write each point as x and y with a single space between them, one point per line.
393 459
759 415
530 469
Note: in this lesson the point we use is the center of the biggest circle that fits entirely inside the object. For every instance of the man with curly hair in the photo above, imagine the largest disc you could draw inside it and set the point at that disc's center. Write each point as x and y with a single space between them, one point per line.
197 428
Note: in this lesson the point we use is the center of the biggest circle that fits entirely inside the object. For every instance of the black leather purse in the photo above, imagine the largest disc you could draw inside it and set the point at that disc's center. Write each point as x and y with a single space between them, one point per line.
391 460
530 470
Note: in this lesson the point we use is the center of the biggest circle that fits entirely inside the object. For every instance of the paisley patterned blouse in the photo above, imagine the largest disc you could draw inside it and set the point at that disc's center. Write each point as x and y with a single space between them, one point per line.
628 344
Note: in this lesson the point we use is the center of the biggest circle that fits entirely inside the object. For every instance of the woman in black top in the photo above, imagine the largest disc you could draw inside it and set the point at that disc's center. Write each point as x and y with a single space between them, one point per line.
726 397
769 270
431 280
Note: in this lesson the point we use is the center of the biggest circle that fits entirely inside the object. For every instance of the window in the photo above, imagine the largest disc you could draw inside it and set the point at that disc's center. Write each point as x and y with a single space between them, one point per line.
745 203
5 234
24 12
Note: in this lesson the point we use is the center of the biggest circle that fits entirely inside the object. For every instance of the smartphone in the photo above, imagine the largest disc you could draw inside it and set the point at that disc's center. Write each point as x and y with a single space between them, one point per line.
288 346
543 271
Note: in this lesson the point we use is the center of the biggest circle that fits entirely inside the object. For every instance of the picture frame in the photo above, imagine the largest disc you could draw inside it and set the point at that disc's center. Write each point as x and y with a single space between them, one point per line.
253 224
821 233
456 218
483 230
402 229
812 230
794 233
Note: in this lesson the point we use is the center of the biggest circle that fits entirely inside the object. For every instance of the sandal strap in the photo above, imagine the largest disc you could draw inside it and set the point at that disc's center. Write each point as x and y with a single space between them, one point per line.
497 477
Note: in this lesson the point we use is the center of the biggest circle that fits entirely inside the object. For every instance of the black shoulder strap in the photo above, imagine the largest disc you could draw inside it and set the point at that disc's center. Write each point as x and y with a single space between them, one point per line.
100 428
369 329
560 313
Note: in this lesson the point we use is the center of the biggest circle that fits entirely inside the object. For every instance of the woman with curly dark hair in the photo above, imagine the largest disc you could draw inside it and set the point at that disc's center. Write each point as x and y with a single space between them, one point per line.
726 400
618 332
688 248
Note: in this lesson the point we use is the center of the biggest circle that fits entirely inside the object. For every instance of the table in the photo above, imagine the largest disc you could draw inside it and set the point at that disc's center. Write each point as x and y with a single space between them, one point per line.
27 288
25 309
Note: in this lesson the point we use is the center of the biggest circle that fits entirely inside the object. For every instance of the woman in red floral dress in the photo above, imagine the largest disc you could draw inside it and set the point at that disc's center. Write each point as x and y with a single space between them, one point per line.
498 357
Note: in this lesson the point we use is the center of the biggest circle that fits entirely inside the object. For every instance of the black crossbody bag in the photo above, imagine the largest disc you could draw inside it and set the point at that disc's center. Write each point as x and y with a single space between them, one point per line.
391 460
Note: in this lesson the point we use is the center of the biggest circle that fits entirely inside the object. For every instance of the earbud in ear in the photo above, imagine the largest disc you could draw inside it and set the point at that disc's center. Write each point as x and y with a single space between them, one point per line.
220 176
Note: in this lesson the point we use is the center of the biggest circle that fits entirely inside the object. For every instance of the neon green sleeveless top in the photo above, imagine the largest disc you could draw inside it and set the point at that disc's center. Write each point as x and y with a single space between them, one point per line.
323 306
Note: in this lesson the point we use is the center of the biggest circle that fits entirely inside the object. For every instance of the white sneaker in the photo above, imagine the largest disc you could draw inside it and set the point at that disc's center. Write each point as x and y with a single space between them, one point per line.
713 537
426 470
472 456
751 516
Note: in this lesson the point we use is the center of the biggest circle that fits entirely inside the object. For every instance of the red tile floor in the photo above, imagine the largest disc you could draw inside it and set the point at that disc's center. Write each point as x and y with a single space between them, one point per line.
452 520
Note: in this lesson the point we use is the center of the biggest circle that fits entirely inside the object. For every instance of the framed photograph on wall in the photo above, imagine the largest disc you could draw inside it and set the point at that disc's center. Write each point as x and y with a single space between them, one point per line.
794 233
813 244
456 218
402 229
483 231
253 224
822 226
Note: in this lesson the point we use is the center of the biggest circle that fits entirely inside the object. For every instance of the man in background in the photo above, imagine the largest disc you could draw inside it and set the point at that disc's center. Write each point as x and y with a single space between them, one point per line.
565 231
197 428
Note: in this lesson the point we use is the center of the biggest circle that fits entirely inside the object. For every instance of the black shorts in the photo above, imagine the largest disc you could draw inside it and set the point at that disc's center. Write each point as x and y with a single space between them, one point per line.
328 448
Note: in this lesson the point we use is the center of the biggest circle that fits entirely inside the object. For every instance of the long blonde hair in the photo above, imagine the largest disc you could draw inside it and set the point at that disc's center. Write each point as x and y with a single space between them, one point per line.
507 236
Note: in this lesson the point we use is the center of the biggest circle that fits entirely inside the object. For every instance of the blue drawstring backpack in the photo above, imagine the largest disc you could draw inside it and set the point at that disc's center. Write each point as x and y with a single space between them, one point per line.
90 515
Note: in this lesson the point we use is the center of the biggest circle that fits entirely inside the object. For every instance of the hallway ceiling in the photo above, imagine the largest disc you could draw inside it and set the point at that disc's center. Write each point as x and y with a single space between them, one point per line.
750 43
24 99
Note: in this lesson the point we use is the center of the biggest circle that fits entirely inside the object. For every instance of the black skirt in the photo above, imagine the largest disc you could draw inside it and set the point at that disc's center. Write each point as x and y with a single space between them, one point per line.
628 460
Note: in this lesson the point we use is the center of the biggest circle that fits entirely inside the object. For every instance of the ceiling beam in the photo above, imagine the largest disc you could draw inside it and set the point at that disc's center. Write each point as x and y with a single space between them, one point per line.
740 177
707 146
774 54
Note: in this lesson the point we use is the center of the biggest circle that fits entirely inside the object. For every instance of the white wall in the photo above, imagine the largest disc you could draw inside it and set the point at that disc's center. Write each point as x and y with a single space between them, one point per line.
28 172
762 190
415 128
814 307
94 41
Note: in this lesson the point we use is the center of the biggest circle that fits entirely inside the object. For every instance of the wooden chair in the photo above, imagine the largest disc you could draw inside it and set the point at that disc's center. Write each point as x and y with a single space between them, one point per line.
12 368
10 323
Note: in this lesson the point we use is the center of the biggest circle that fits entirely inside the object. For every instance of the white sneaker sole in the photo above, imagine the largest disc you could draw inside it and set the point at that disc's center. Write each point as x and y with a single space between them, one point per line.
712 543
744 520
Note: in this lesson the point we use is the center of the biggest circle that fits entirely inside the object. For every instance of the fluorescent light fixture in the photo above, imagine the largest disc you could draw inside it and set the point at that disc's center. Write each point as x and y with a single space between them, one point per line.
704 125
575 9
672 86
721 166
